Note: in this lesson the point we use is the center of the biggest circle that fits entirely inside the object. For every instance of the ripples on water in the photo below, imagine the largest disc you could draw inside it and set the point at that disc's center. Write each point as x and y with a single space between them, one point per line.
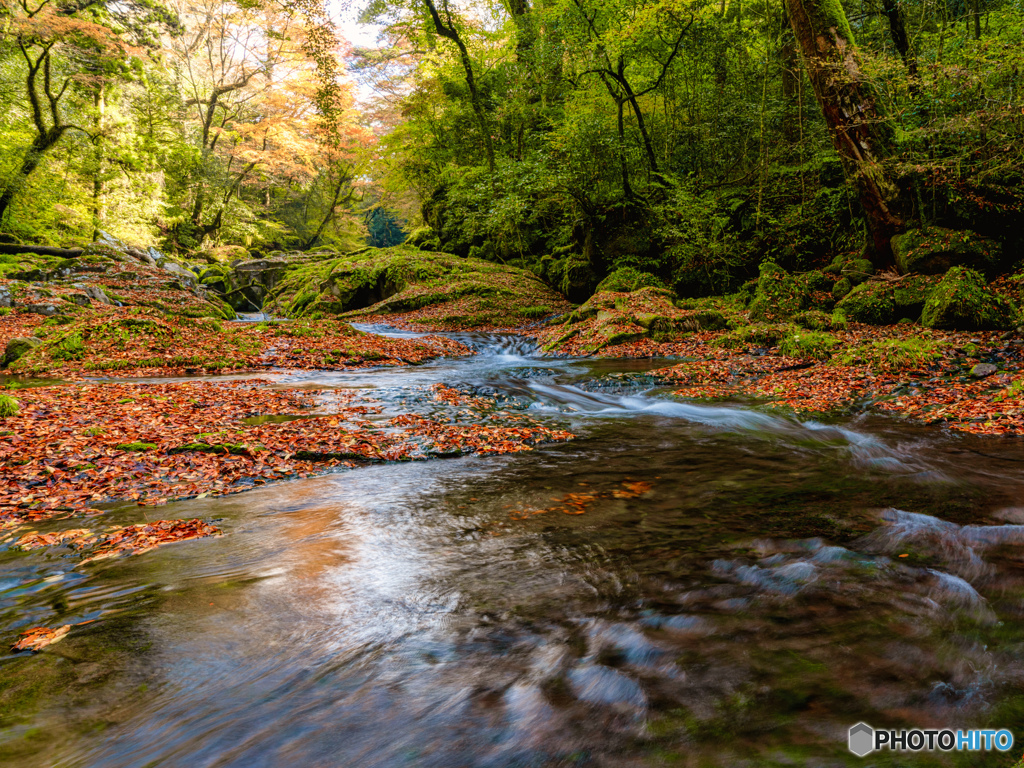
781 580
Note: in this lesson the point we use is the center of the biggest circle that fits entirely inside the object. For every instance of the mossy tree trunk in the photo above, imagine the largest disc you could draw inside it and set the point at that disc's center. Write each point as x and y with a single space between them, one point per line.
856 124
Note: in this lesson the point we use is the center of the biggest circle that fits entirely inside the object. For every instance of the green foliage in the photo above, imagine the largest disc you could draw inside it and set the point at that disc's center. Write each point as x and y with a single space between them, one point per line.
8 406
628 279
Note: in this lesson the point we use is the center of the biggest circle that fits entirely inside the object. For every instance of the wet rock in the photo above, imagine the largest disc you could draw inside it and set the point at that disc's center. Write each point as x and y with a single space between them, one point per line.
622 641
681 624
596 684
526 707
17 347
981 370
785 579
956 591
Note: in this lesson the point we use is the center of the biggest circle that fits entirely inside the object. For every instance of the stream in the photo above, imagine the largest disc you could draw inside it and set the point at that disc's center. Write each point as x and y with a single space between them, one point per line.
740 589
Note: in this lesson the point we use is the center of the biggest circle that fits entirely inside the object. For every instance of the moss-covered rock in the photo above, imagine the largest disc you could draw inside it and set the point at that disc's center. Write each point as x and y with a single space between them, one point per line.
404 279
778 296
814 320
883 302
8 406
18 347
962 301
628 279
764 335
937 250
841 287
651 313
816 345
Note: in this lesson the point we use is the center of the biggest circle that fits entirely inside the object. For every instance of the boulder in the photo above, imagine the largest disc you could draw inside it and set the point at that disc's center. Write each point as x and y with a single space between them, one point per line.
47 310
962 301
883 302
5 297
97 294
17 347
939 249
981 370
185 275
80 299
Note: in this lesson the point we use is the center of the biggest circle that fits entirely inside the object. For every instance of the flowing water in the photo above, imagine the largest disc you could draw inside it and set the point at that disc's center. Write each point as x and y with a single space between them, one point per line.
740 589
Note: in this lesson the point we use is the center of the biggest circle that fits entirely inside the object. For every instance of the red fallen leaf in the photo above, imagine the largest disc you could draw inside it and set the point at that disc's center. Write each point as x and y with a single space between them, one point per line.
37 638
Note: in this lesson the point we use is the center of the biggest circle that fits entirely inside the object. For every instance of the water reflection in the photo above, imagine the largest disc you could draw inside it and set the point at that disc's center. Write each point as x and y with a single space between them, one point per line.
774 582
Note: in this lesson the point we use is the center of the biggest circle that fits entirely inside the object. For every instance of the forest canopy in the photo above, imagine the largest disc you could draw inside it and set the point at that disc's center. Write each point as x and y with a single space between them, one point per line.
688 140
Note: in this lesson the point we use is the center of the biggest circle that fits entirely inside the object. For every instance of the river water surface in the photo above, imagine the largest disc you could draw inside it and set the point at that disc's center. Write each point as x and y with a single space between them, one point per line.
733 594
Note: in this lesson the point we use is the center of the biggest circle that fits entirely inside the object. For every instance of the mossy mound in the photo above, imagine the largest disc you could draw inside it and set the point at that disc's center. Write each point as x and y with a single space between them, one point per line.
961 301
137 339
938 250
8 406
627 280
607 319
883 302
758 335
386 281
779 295
816 345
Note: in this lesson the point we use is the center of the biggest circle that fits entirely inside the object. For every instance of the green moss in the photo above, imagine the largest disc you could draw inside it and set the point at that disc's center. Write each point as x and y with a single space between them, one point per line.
937 250
892 355
816 345
883 302
8 406
961 301
403 279
628 279
779 295
141 447
814 320
757 335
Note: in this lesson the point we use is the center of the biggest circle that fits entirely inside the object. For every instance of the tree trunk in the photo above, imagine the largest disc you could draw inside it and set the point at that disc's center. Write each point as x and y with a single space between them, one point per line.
451 33
29 163
898 32
98 201
855 123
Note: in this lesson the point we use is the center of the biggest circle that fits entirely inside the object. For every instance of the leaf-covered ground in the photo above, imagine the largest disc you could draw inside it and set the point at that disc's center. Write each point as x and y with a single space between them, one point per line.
144 342
73 447
902 369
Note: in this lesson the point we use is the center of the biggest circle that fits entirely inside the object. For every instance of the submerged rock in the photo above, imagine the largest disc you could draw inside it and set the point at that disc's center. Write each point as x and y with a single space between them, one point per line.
596 684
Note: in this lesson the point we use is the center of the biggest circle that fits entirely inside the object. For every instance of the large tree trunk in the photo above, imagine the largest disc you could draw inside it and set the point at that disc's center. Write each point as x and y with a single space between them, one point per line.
855 123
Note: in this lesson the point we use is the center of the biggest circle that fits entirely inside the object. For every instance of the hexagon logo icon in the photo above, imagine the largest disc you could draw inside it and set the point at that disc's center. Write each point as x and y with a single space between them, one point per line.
862 737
